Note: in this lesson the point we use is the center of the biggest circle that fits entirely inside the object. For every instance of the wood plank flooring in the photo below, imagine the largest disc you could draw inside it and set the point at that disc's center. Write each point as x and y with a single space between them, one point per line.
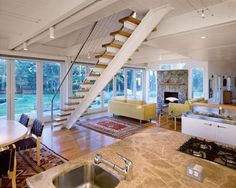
75 142
79 141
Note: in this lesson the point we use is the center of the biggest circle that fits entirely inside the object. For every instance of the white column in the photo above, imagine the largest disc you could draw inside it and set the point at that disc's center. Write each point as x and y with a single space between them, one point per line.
144 85
10 90
39 91
114 86
134 82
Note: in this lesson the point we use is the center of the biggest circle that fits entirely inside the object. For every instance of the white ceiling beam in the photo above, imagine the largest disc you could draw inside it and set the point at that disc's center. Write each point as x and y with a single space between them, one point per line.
223 13
74 14
28 54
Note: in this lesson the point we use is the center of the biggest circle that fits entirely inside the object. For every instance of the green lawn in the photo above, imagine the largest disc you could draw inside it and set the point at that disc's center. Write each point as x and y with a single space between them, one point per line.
28 104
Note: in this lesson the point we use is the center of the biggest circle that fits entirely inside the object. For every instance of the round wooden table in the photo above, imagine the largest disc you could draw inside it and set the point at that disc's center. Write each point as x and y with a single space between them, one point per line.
11 131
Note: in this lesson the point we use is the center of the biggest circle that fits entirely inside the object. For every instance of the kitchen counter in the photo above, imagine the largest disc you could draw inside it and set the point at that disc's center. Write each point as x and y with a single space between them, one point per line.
156 163
205 117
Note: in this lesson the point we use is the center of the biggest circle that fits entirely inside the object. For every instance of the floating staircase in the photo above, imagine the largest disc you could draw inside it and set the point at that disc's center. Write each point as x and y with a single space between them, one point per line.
125 42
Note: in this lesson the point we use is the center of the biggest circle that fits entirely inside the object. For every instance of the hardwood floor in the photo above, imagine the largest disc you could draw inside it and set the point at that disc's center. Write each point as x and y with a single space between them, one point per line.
79 141
75 142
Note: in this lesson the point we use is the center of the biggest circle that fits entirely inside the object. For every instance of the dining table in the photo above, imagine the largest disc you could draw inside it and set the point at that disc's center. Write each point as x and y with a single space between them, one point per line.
11 131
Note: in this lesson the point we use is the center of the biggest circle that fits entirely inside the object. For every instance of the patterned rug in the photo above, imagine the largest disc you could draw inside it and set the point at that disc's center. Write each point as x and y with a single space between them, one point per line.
27 167
113 127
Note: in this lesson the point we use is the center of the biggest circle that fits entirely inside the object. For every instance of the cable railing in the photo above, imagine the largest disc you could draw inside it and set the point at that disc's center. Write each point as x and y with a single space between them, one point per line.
68 71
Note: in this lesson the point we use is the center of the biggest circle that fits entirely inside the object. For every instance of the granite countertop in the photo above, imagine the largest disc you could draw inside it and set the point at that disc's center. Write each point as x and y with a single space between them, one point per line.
205 117
156 163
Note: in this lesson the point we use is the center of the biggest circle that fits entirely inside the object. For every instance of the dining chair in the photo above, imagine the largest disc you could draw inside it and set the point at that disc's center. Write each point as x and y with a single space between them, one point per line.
24 120
33 141
8 164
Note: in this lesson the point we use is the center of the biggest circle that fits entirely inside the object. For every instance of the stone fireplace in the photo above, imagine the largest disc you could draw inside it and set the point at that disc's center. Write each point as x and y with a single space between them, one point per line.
173 83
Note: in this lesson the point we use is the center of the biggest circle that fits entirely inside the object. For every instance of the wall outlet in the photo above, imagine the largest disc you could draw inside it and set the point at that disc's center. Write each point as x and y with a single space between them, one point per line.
195 171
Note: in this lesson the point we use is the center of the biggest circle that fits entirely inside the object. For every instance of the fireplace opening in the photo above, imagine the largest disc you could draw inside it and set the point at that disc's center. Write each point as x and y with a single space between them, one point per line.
170 94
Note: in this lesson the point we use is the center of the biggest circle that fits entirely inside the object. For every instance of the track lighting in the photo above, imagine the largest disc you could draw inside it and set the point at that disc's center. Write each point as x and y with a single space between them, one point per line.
203 14
51 33
25 46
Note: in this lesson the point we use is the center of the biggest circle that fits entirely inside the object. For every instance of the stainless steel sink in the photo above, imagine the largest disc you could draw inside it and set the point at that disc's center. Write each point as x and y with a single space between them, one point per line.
86 176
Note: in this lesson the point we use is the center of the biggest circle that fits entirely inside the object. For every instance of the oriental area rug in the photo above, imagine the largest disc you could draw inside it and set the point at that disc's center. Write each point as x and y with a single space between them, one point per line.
27 167
114 127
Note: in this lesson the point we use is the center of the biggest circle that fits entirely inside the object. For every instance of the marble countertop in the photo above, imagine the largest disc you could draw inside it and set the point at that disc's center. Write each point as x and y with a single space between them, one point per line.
205 117
156 163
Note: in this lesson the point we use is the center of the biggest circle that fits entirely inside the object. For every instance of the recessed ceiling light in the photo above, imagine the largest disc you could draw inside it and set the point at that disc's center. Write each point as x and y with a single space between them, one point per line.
203 37
25 46
51 33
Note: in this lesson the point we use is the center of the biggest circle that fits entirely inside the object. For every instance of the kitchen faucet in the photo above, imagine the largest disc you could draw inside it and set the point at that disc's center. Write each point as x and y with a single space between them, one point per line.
127 170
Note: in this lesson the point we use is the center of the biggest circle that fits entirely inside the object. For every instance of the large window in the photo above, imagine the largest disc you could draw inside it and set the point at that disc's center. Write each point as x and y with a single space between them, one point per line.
51 81
130 83
197 82
78 75
108 92
120 83
139 84
176 66
152 86
3 83
25 88
96 103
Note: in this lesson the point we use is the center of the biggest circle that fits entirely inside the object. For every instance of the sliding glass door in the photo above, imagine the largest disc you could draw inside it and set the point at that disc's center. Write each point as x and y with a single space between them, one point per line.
3 84
51 81
152 86
139 84
25 88
120 83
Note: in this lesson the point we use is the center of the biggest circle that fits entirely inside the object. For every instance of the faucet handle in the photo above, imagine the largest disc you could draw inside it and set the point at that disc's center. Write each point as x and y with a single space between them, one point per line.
98 158
127 161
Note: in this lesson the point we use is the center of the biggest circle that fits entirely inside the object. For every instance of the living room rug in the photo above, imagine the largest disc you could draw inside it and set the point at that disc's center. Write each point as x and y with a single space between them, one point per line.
27 167
114 127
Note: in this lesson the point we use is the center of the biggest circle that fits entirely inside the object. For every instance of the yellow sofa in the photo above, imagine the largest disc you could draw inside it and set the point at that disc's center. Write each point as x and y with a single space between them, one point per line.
177 109
132 108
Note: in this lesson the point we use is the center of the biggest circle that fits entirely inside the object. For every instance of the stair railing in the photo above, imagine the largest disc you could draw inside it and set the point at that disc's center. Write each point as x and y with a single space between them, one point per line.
68 71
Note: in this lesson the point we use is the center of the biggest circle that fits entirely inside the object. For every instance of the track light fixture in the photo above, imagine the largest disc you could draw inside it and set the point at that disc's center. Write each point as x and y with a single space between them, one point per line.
51 33
25 46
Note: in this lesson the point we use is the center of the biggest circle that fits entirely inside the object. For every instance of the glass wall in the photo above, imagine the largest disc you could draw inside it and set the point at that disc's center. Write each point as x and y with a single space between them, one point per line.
3 83
108 93
130 83
25 87
120 83
139 84
51 81
176 66
152 86
97 103
197 83
78 75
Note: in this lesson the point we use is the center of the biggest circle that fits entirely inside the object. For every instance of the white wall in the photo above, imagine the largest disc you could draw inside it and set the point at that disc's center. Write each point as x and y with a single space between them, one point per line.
226 69
190 64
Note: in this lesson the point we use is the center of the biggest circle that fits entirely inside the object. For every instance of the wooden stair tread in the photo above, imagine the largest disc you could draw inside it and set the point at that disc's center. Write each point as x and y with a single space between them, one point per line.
124 33
130 19
71 103
57 124
76 97
60 119
112 44
62 115
87 83
94 75
100 66
109 56
82 90
67 109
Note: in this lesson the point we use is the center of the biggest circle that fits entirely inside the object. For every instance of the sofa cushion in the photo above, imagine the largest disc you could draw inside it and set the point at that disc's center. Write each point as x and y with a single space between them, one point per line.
135 101
119 99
